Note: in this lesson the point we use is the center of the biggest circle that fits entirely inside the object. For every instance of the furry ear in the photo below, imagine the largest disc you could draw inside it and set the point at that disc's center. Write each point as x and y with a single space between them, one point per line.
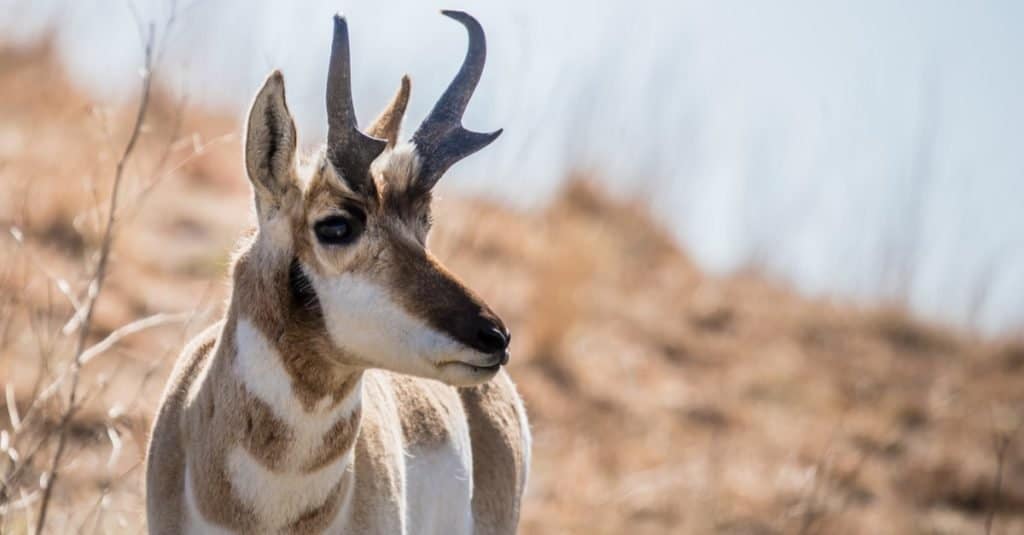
387 124
270 142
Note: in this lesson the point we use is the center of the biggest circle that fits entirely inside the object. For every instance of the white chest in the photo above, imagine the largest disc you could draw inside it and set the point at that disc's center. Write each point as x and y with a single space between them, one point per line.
439 491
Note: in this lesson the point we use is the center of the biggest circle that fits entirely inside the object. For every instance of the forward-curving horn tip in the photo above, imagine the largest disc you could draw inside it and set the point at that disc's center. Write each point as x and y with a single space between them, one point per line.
441 140
461 16
477 42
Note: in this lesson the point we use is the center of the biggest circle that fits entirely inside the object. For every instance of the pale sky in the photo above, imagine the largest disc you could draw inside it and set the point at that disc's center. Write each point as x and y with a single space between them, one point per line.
834 144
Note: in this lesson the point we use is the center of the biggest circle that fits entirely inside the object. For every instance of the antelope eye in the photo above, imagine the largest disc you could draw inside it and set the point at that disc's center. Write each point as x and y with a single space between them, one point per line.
335 230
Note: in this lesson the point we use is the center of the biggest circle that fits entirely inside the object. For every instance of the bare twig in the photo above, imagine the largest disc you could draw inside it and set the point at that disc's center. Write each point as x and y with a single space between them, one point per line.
128 329
93 351
60 282
198 149
96 286
1001 441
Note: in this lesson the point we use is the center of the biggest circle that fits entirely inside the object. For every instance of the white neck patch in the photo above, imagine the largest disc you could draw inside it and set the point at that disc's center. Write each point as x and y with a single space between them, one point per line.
260 368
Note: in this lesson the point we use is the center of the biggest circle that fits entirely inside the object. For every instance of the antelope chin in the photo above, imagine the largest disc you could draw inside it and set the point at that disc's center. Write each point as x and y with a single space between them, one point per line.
470 372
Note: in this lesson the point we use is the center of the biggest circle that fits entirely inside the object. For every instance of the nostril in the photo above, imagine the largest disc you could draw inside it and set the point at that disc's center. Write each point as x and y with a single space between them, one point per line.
492 339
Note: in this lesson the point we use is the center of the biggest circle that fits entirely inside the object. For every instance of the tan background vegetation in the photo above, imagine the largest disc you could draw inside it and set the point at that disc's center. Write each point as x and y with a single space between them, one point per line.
663 400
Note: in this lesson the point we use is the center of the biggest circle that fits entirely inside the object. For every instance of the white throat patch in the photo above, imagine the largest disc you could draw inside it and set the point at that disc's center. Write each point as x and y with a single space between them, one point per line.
363 319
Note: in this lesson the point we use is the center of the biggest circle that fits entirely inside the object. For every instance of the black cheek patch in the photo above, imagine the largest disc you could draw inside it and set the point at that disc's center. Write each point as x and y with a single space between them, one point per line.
304 299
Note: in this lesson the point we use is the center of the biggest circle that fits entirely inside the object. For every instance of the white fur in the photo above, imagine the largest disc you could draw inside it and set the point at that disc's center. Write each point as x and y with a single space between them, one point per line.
260 368
387 516
281 497
440 491
363 319
343 520
398 166
278 497
440 483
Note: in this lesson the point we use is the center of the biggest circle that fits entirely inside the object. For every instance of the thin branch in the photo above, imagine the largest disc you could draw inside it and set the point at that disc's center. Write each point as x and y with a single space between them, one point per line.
12 406
93 351
198 149
128 329
59 282
96 286
1001 441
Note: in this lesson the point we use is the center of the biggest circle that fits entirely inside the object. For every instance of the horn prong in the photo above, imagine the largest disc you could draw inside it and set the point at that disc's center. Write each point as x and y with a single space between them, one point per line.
387 124
441 140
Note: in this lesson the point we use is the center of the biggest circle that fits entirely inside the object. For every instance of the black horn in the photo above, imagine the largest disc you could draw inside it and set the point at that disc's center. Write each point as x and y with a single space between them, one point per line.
349 150
441 140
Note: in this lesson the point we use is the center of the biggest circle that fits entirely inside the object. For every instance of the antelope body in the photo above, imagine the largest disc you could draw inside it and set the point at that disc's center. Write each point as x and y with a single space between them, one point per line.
355 385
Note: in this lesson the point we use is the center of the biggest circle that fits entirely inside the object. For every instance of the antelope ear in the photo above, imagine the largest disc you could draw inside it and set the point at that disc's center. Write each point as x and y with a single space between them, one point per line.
270 142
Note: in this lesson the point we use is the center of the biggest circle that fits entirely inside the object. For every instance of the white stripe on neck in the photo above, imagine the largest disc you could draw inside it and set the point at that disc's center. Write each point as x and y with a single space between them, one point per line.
260 368
277 498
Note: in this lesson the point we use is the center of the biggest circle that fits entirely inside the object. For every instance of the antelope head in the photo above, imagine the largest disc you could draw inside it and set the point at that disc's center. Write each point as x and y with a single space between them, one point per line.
353 225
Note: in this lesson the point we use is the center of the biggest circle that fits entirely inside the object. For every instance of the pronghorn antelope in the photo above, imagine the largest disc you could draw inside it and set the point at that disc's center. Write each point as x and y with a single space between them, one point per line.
355 385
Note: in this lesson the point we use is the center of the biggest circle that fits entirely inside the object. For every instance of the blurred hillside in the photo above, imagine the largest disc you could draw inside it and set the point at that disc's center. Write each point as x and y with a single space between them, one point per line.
662 400
860 150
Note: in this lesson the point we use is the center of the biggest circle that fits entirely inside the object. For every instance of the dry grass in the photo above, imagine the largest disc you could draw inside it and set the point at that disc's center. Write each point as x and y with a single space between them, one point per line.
662 399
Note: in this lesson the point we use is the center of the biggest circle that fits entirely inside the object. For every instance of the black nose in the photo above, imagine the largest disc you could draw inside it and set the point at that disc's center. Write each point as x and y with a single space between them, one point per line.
492 339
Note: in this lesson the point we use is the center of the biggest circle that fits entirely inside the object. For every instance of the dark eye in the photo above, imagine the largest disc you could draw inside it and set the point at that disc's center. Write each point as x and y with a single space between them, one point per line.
335 230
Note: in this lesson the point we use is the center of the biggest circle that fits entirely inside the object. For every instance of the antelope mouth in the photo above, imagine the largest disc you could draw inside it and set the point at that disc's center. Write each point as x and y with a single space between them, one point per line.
495 363
475 368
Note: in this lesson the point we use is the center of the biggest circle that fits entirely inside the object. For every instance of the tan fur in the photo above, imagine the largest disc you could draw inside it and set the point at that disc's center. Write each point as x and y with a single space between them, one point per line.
209 411
165 458
388 123
498 429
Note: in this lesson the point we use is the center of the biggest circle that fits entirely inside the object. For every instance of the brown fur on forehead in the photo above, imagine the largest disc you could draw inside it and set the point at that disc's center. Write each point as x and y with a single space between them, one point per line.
396 206
325 189
324 193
